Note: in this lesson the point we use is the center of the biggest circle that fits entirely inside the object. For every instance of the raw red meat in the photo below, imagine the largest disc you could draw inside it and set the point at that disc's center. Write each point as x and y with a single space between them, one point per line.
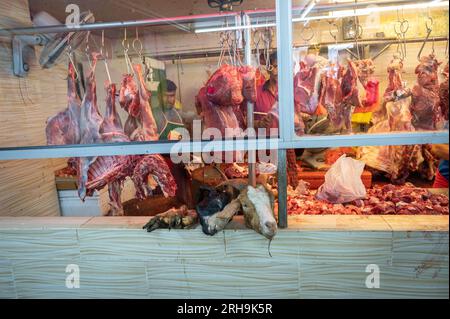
214 116
111 128
248 74
90 122
156 166
425 103
349 86
63 128
396 161
307 84
147 130
380 200
224 88
366 68
129 98
443 94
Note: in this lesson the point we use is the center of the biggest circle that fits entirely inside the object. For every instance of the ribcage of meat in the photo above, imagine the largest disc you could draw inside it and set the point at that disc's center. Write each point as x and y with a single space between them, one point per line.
63 128
443 94
110 170
156 166
129 98
425 103
380 200
224 88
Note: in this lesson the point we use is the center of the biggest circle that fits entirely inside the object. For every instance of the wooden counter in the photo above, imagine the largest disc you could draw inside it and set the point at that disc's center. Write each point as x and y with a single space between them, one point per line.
316 257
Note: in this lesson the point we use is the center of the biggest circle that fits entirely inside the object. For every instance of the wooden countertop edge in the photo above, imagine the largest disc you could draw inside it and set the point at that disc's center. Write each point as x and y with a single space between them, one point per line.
295 223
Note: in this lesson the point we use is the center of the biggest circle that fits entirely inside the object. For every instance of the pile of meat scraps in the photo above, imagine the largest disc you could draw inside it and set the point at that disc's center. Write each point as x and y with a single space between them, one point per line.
380 200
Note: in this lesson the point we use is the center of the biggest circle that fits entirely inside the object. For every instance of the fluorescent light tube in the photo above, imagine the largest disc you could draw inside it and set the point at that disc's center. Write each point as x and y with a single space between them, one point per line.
334 14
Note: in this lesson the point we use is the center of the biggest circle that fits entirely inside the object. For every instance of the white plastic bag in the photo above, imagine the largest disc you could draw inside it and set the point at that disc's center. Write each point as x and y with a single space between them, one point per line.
343 182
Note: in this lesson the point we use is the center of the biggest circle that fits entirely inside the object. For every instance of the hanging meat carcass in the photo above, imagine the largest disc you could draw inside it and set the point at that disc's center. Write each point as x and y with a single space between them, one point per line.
64 127
340 101
425 103
443 94
225 86
134 98
395 116
90 122
129 98
307 84
366 69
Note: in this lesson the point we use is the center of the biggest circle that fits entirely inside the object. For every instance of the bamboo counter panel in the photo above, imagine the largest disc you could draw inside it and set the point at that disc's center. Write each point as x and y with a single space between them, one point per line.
316 257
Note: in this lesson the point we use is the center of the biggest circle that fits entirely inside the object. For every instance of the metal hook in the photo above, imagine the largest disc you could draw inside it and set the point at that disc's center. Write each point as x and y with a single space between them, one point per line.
333 35
125 43
429 27
302 34
137 41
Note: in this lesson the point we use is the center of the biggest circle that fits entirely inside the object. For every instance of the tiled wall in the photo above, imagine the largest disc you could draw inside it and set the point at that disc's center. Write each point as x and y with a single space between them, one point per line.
117 259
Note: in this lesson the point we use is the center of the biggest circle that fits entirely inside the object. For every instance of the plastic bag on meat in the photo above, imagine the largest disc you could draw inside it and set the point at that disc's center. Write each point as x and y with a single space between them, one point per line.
224 88
343 182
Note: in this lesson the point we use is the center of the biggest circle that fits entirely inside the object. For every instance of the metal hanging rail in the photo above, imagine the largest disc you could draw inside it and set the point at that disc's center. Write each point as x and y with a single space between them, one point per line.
374 41
187 19
210 53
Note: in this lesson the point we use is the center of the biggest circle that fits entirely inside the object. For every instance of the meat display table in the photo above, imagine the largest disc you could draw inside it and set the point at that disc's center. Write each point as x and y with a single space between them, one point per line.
316 257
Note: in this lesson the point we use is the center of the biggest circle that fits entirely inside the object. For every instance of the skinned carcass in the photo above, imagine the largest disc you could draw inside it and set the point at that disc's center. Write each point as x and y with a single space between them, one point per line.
366 69
90 122
129 98
340 101
307 84
395 116
425 102
64 127
443 94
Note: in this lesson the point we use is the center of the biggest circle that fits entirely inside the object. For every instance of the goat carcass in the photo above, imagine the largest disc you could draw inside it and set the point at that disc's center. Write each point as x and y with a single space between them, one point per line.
90 122
347 97
425 103
396 161
63 128
443 94
366 68
307 84
129 98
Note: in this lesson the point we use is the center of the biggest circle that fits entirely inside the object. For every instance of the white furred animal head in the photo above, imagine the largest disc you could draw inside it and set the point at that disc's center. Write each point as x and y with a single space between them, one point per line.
257 204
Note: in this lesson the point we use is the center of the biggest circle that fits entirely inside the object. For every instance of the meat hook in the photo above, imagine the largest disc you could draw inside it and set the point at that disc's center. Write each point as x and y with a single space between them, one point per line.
86 50
137 45
105 56
333 35
429 27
